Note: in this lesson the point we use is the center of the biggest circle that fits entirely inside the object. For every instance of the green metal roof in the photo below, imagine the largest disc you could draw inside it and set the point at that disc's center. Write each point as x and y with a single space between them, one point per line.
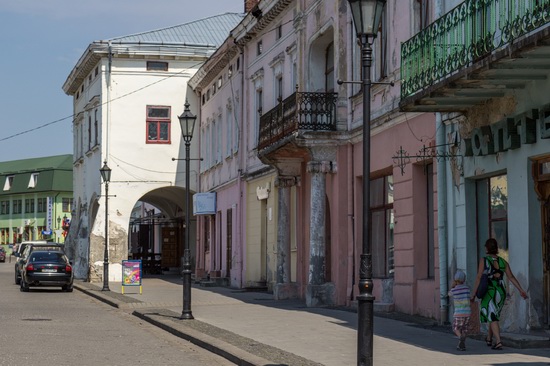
55 173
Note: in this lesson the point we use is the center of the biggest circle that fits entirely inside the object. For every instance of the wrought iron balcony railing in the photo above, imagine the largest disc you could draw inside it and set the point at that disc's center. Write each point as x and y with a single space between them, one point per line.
300 111
470 31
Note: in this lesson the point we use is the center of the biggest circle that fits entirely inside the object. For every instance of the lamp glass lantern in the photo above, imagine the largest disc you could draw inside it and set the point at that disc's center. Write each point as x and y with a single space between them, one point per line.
187 123
367 15
105 172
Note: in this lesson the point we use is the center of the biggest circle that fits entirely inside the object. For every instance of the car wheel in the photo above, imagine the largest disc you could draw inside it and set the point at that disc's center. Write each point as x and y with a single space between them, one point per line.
17 279
24 286
67 288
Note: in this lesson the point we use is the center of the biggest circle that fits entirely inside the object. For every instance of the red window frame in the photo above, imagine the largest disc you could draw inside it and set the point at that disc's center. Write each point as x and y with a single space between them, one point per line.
158 121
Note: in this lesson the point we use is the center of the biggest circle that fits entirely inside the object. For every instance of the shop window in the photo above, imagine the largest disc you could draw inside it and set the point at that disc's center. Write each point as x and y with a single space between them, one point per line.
492 211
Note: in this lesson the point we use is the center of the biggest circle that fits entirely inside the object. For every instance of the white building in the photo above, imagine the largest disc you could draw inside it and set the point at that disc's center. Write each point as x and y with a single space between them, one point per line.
128 92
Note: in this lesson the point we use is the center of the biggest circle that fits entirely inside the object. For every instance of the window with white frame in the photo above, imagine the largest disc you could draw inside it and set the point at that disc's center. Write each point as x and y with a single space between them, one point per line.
67 204
5 207
8 182
17 206
158 124
33 180
42 204
29 205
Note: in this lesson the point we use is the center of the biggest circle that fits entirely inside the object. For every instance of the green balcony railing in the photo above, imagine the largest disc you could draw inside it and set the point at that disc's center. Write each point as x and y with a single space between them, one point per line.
470 31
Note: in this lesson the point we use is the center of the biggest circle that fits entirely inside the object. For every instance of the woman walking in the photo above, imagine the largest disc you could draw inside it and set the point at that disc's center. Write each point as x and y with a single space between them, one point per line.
492 303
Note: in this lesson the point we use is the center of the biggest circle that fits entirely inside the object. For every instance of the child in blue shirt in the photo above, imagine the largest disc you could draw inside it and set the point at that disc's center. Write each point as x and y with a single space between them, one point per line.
460 293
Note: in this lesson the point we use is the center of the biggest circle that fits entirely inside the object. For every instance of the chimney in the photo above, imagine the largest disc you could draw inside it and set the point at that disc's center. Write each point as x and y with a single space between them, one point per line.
250 4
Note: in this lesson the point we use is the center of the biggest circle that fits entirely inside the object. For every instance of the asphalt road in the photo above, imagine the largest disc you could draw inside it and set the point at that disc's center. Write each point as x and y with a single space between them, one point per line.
51 327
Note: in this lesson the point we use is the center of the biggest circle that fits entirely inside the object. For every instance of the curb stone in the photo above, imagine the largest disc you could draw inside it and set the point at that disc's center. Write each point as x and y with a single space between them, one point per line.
233 347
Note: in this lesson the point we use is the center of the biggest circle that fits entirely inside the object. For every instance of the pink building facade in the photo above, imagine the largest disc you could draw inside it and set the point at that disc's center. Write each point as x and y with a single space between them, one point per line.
291 194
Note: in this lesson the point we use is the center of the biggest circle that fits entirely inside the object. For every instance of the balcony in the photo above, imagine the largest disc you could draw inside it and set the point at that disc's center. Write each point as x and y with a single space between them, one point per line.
481 49
300 111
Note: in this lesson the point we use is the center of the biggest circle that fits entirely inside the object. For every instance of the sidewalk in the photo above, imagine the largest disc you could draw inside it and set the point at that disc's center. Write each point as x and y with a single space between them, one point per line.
250 328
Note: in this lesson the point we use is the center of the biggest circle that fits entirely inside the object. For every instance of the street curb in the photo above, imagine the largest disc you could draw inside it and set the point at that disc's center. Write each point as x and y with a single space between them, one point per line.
214 345
157 317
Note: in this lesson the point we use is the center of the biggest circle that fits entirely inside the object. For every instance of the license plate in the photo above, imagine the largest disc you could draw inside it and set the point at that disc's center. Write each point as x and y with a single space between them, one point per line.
49 270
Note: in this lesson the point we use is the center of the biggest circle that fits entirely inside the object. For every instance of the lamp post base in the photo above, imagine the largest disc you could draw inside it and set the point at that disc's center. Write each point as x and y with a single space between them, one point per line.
186 314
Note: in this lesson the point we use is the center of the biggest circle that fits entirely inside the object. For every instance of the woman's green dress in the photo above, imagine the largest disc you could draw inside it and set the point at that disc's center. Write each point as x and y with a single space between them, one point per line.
493 301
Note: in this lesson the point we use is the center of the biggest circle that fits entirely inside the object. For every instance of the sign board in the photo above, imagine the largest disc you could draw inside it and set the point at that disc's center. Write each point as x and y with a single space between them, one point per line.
131 274
46 232
204 203
49 213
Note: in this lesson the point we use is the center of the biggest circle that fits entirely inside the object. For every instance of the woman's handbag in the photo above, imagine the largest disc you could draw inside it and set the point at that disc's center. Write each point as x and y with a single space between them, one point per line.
484 280
483 286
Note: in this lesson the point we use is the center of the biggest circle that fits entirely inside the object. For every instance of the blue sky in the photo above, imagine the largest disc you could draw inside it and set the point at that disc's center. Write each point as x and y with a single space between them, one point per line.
43 39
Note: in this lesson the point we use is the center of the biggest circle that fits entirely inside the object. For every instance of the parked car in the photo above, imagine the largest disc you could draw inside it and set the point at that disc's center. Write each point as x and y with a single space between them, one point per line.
46 268
2 254
25 248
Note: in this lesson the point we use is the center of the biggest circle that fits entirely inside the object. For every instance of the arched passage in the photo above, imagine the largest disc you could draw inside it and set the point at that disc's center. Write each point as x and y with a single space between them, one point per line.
156 230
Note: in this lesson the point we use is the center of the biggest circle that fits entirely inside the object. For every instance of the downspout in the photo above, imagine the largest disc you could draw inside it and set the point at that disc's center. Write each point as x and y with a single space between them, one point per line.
241 163
442 208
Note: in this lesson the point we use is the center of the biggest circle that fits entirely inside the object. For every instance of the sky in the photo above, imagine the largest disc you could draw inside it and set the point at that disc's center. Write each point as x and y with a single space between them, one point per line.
41 42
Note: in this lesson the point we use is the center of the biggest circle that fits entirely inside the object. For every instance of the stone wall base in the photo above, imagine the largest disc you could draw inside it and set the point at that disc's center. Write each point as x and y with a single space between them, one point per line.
320 295
284 291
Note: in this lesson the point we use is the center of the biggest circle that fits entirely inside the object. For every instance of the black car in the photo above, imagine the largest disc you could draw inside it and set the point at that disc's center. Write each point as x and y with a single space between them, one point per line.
25 248
47 268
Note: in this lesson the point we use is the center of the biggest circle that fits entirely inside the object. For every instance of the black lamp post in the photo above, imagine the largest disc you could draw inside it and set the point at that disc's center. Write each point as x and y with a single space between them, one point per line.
187 123
58 227
106 175
366 16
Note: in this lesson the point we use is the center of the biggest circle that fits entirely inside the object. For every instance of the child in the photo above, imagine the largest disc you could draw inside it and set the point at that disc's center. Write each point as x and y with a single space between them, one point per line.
460 292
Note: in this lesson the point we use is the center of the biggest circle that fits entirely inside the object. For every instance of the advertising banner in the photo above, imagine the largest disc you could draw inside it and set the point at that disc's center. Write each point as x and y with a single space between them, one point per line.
131 274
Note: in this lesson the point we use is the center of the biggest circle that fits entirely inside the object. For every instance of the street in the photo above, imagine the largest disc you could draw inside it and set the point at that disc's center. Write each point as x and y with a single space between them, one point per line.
51 327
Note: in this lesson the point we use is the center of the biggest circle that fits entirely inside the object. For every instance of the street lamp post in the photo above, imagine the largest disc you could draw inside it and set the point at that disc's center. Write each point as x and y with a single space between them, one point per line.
58 228
187 123
106 175
366 16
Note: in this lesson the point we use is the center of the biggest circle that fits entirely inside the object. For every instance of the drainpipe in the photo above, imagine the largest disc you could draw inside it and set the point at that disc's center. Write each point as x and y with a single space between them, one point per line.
442 207
241 164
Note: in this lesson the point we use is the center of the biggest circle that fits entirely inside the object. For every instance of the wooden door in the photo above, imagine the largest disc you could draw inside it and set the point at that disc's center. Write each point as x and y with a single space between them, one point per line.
170 247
